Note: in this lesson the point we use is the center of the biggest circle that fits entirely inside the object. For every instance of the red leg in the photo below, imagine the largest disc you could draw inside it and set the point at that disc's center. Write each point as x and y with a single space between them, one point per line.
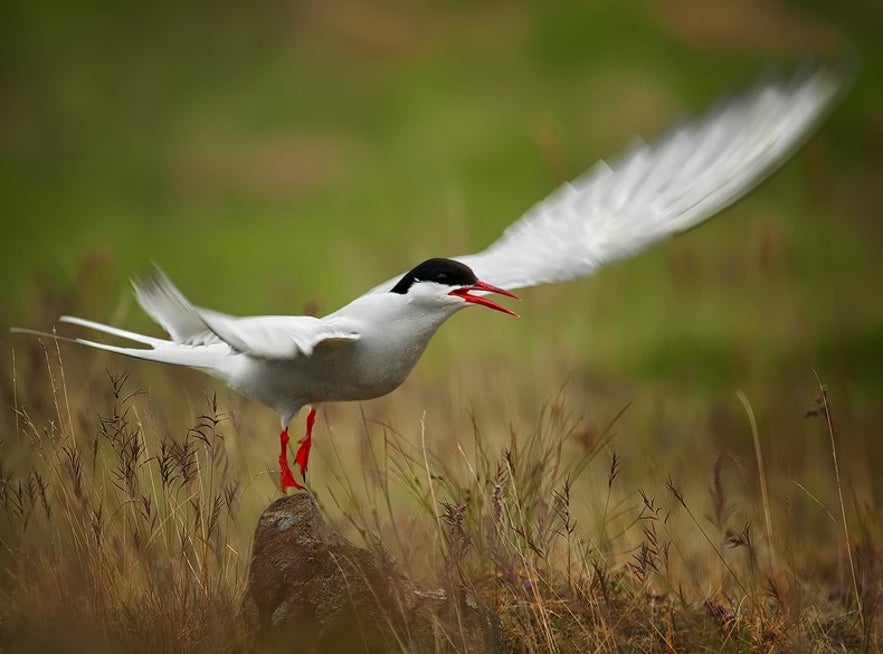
286 479
302 457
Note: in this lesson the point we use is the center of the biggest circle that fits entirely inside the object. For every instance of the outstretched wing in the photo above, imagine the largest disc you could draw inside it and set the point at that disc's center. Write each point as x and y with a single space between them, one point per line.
695 170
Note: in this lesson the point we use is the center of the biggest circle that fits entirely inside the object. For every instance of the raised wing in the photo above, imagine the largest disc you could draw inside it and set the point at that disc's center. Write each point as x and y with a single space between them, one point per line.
695 170
170 309
267 337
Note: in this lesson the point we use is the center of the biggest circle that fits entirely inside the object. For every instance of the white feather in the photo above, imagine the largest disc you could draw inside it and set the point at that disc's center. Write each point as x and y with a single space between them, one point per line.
280 337
695 170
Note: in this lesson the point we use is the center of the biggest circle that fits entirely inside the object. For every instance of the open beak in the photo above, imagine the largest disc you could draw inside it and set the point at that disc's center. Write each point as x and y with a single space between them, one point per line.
482 300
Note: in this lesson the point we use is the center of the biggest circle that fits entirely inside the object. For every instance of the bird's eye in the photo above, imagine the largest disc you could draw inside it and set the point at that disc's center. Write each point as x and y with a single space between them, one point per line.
441 278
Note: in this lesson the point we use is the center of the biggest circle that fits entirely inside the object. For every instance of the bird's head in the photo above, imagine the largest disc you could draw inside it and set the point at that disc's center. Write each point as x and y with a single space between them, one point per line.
448 283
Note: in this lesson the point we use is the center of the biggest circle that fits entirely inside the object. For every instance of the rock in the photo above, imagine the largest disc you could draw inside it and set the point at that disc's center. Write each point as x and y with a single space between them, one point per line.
309 590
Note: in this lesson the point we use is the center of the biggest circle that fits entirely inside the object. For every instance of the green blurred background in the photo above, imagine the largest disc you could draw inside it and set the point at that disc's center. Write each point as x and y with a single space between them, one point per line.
282 157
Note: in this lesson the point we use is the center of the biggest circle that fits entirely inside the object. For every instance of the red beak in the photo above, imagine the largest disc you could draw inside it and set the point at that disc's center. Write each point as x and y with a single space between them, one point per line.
480 299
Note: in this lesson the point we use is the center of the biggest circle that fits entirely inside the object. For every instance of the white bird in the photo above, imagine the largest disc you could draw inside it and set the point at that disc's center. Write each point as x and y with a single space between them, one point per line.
368 347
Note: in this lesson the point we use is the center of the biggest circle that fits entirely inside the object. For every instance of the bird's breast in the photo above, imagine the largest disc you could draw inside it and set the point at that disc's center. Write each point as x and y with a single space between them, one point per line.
371 367
378 362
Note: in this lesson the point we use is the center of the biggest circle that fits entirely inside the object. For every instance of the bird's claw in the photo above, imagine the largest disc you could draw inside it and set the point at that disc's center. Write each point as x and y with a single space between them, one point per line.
302 457
286 478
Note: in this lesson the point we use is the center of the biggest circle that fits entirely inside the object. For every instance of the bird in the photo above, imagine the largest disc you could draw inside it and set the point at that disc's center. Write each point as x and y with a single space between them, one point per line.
368 347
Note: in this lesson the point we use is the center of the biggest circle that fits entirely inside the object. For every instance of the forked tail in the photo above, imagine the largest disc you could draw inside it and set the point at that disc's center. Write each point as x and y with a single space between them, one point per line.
207 357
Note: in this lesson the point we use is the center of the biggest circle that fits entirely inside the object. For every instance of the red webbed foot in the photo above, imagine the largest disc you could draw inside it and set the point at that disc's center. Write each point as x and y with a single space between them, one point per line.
286 478
302 456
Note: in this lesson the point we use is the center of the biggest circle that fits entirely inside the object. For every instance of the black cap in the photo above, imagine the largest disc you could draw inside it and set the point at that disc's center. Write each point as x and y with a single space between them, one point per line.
438 270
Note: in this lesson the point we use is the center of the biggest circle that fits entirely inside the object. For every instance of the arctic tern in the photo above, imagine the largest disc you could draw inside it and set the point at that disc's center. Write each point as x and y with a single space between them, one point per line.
368 347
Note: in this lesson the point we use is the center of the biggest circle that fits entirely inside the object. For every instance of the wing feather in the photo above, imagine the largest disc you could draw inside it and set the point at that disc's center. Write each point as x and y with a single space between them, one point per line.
692 172
266 337
170 309
281 337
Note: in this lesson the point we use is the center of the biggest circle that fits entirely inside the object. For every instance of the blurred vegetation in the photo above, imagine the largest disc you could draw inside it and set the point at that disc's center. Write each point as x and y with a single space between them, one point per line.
298 153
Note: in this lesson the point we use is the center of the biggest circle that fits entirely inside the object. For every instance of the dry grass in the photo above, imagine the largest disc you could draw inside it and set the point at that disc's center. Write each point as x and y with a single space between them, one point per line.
112 533
131 532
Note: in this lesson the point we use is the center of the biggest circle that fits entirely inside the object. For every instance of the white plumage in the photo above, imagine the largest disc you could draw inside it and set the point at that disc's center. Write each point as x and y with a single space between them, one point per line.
692 172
